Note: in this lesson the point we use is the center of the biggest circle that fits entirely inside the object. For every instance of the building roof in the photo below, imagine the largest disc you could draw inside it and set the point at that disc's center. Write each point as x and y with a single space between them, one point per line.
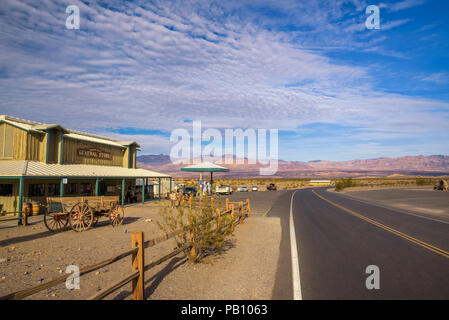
205 167
18 168
33 126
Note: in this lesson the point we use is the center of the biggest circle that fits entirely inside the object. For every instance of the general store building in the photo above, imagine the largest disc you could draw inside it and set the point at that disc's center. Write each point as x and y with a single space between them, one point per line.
45 160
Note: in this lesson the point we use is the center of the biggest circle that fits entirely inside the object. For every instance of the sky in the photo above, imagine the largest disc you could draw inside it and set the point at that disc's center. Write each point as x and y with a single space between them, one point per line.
137 70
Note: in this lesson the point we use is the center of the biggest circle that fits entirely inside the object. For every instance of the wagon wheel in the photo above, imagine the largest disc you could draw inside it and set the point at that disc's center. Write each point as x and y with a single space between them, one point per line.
96 218
116 215
55 221
81 217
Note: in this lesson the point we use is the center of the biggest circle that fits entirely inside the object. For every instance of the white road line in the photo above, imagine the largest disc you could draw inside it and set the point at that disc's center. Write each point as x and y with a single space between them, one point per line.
294 253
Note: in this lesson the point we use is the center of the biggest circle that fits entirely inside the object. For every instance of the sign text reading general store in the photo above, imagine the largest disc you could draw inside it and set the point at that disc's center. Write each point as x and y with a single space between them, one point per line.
94 153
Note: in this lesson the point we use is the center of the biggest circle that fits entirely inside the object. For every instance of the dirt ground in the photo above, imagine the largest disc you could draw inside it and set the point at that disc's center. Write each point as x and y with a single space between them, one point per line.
31 255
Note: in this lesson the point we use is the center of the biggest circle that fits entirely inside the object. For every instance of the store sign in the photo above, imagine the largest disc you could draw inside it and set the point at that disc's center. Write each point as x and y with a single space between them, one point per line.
94 153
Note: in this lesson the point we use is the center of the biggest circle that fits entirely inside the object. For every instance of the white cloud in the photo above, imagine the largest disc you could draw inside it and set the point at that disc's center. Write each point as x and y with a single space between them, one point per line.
155 65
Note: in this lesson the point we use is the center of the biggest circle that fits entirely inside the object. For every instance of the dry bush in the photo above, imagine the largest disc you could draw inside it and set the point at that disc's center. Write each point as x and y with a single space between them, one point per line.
209 233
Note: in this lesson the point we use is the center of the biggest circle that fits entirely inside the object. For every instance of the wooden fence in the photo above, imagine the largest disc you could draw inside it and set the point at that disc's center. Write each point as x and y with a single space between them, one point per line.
138 245
17 216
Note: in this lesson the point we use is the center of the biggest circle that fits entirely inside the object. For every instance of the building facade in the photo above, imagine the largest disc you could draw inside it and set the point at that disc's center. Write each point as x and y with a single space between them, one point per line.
46 160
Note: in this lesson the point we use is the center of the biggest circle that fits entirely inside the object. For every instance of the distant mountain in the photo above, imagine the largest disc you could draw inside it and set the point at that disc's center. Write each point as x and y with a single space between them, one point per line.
407 165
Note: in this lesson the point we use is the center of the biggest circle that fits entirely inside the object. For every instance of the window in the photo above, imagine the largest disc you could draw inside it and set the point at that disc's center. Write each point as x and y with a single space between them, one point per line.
6 141
6 190
71 188
53 189
86 188
36 190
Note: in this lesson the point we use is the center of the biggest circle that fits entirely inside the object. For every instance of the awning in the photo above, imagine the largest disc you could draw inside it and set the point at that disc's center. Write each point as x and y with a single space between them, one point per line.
38 169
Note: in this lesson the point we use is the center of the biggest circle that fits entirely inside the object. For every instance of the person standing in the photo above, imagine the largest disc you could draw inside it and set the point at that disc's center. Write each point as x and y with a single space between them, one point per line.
173 199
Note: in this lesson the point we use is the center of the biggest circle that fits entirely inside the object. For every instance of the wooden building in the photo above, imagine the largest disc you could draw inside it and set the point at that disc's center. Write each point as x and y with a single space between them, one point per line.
45 160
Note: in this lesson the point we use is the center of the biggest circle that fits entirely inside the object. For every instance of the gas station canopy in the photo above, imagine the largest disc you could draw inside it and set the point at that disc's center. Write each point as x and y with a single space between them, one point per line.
205 167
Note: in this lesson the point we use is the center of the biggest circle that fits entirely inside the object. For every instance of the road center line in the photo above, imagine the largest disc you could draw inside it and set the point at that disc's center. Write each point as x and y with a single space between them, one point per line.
387 228
294 254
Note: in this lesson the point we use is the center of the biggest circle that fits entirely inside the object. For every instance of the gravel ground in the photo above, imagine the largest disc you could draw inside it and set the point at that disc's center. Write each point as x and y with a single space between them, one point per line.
31 255
245 272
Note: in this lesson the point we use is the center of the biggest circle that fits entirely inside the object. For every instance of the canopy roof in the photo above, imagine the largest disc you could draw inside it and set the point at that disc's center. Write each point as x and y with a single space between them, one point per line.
30 169
205 167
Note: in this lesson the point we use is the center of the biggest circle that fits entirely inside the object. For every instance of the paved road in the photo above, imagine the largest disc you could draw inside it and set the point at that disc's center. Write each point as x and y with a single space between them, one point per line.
338 237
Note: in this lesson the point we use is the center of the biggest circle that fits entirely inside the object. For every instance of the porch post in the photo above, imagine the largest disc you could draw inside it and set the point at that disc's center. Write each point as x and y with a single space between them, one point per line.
19 221
170 184
123 192
159 189
143 190
97 183
61 188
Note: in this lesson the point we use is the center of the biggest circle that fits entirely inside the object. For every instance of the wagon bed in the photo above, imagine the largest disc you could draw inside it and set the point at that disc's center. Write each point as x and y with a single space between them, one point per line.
81 212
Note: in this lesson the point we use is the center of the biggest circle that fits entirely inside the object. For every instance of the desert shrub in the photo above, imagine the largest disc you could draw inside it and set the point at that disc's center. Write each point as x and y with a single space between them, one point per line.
424 181
344 183
211 234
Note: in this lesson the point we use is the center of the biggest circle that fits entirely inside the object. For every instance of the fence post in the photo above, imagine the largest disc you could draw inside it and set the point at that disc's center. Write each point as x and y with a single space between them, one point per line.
218 218
248 208
190 202
227 204
232 217
26 214
137 264
240 213
212 203
193 249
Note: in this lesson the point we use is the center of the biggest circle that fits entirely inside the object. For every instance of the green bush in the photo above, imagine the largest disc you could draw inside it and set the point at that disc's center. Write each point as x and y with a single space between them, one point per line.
424 181
344 183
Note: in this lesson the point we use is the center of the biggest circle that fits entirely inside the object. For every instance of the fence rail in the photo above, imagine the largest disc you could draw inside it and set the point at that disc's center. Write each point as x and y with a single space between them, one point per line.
138 257
18 216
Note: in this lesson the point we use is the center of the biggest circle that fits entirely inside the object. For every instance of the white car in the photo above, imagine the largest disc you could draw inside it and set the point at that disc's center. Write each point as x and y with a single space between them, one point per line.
242 189
254 188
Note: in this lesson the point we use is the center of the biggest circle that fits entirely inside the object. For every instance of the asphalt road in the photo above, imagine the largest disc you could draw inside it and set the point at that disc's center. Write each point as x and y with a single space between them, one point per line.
338 237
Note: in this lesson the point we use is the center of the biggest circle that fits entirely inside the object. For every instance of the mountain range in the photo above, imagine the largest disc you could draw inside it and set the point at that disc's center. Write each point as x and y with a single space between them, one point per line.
434 165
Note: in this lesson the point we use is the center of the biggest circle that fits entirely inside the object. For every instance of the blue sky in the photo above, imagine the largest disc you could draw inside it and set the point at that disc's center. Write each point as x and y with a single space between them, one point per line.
137 70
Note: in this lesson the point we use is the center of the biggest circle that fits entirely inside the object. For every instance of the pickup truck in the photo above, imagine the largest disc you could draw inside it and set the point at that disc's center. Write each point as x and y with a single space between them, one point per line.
223 189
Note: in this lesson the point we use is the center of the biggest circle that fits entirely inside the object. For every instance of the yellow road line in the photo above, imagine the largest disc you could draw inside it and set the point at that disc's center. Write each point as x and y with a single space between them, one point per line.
266 212
394 231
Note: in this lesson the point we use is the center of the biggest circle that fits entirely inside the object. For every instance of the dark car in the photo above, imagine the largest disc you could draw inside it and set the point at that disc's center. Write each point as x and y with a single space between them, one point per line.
271 187
190 190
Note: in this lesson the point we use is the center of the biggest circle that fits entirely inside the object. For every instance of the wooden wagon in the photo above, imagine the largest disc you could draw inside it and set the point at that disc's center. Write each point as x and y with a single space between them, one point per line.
81 212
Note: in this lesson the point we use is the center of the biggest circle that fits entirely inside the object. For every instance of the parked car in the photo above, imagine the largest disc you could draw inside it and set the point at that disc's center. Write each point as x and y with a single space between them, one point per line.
190 190
271 187
254 188
223 189
242 189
